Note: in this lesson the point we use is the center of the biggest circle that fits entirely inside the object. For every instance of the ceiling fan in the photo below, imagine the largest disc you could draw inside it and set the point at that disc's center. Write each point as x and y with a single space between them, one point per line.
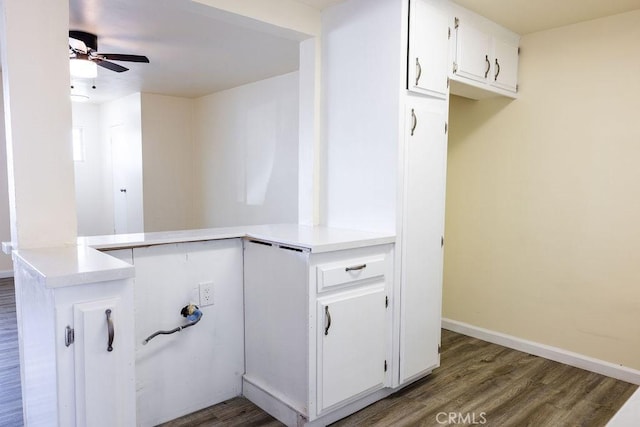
84 46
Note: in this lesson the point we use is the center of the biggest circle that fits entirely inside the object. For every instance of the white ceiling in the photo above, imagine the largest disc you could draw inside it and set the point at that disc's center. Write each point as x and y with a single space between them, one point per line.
528 16
193 52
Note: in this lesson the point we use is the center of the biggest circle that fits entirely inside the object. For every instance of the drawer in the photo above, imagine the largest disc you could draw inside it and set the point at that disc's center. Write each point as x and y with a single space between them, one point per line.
347 271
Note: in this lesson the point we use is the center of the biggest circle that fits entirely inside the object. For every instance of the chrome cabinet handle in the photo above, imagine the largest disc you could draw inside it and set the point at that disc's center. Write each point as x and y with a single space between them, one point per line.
418 71
486 73
356 267
327 316
495 78
414 121
110 330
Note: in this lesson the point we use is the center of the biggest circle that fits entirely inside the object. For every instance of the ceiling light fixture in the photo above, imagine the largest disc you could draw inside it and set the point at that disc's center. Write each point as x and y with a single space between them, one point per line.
83 68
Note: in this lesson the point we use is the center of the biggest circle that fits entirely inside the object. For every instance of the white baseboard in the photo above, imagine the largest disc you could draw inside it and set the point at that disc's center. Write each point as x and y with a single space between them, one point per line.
548 352
4 274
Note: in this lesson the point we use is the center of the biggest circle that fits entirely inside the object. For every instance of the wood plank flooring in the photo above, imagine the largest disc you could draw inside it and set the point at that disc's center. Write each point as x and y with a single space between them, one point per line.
10 394
477 381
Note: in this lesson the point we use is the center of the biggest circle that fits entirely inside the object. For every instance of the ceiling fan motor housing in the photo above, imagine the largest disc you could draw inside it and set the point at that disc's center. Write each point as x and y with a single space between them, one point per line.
91 40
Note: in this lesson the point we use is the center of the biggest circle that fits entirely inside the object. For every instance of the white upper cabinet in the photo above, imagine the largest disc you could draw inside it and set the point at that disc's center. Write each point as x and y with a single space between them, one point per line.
428 47
484 56
505 65
471 52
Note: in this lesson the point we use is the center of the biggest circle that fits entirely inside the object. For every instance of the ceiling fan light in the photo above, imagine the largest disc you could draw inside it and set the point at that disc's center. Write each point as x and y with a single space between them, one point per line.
83 68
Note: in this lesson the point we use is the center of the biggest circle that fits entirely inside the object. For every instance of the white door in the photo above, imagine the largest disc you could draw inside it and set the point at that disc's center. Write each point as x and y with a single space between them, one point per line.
505 65
126 165
119 161
428 48
473 59
351 344
103 356
422 234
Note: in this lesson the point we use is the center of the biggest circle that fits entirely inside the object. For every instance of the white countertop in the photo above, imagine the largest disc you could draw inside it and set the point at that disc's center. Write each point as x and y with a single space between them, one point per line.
72 265
316 239
86 263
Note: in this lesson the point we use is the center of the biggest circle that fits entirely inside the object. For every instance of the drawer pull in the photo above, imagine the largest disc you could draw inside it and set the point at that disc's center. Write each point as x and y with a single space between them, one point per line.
110 331
327 316
356 267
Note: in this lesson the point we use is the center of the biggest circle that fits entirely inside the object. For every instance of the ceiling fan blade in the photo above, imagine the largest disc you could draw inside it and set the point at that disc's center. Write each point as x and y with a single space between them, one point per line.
123 57
110 65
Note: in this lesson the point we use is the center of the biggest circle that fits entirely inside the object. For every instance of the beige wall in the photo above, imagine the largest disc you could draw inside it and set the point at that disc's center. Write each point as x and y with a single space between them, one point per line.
167 166
543 197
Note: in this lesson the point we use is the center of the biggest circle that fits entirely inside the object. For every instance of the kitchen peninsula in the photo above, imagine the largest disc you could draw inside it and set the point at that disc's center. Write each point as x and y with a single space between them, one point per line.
287 301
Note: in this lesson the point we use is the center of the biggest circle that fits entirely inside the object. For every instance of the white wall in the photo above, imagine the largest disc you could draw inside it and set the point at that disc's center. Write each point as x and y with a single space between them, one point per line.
360 113
38 124
92 175
200 366
246 154
5 229
167 152
126 112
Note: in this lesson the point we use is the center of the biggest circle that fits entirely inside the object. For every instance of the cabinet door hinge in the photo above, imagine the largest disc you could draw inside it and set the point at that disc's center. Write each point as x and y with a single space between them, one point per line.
448 82
69 336
517 88
449 33
385 366
386 301
455 68
456 23
518 50
446 127
442 241
439 349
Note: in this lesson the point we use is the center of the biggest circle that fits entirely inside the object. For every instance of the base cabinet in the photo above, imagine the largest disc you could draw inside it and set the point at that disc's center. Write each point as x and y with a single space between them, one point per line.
317 327
351 344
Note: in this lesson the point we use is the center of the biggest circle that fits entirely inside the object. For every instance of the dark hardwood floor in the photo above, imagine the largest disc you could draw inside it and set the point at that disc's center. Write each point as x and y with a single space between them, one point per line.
10 394
477 382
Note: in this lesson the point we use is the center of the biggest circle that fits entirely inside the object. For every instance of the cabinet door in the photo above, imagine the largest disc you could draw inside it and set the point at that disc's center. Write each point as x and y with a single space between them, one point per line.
472 51
428 48
103 377
351 344
505 65
422 237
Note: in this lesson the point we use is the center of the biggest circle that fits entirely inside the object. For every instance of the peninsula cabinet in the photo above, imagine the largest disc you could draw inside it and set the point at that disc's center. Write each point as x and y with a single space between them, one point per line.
317 327
484 56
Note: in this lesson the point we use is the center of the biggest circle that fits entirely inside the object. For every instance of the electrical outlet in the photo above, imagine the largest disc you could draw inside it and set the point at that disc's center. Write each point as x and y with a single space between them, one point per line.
206 293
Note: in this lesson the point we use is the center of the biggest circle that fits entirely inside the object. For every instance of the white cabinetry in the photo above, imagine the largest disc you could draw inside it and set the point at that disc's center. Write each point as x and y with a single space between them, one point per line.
485 57
310 348
407 149
422 238
428 47
352 346
103 356
75 317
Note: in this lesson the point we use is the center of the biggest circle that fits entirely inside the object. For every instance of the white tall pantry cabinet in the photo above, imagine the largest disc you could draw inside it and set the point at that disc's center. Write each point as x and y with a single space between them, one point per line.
385 124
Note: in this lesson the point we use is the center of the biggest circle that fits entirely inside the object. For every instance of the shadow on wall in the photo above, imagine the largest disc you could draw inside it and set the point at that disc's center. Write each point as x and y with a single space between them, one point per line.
467 115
